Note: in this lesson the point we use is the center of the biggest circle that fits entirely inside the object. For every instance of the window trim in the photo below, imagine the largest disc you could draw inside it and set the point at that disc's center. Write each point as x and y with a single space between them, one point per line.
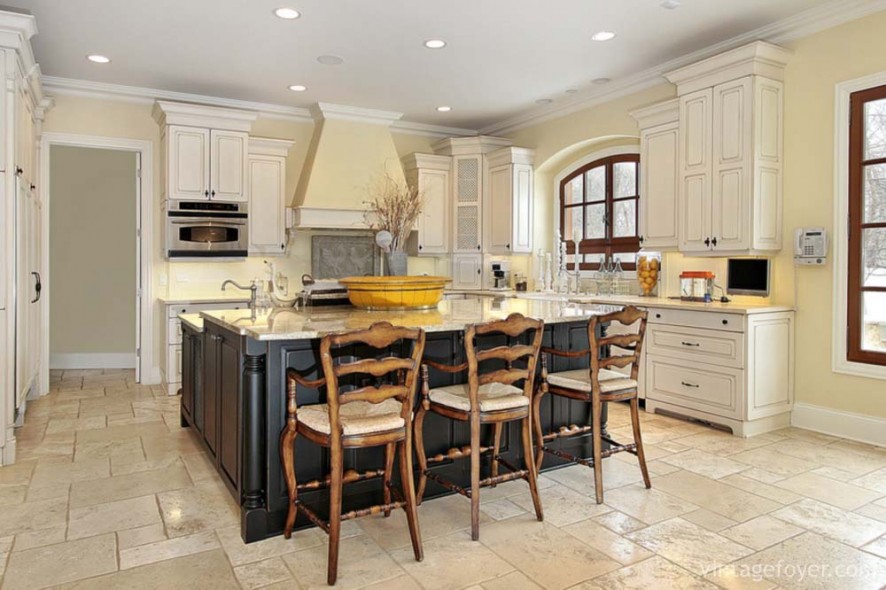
840 362
571 169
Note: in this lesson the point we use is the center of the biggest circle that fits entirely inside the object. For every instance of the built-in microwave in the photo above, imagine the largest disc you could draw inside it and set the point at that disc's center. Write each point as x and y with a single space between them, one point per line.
206 229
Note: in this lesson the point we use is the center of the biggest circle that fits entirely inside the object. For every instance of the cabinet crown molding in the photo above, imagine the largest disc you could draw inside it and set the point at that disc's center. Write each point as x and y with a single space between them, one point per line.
468 146
266 146
511 155
193 115
758 58
426 162
323 111
661 113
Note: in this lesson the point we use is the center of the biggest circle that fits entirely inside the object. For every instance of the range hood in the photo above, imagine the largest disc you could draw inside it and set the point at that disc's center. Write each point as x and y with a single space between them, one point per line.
350 149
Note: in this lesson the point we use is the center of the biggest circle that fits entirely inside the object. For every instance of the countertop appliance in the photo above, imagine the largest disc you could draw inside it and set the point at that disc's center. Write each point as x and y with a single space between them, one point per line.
206 229
748 276
322 293
501 275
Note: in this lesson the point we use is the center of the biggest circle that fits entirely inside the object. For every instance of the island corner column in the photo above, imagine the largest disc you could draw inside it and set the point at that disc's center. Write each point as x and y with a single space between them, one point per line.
253 510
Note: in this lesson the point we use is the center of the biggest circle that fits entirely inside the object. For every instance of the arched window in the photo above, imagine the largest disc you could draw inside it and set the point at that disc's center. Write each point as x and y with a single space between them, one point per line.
599 202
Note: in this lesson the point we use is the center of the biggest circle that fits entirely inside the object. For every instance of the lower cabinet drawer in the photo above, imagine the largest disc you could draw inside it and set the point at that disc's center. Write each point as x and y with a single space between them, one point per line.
707 346
698 386
711 320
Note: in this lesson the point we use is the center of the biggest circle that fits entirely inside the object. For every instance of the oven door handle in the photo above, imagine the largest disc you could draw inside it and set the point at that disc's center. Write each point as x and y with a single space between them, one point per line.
212 223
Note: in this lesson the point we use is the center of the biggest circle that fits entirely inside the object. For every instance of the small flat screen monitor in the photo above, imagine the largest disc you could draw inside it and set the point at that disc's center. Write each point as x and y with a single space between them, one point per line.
748 276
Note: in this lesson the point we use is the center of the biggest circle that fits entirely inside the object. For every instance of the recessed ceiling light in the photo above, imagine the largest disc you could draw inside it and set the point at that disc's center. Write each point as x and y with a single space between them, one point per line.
444 109
99 59
435 43
599 81
287 13
544 101
298 88
330 60
572 91
603 36
670 4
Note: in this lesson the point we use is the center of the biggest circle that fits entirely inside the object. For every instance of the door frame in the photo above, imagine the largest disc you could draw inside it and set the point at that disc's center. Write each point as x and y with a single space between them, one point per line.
146 367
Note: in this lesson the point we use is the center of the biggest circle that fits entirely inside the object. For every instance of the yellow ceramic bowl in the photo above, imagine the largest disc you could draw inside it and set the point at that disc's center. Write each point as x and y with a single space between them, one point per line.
395 292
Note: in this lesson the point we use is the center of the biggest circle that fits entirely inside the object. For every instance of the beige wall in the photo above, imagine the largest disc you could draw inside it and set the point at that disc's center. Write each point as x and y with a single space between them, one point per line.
850 51
92 220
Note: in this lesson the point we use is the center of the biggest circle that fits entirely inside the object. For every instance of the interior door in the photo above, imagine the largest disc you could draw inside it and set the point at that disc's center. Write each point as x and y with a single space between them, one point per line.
227 168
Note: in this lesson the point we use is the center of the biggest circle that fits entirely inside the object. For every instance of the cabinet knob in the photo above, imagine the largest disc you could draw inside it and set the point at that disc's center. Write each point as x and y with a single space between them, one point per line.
419 246
714 241
641 239
478 246
508 246
18 171
212 194
658 316
725 322
282 246
707 241
478 271
206 193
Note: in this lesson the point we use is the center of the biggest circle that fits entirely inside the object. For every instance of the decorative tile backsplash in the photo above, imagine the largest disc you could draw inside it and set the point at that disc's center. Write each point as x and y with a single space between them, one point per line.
337 256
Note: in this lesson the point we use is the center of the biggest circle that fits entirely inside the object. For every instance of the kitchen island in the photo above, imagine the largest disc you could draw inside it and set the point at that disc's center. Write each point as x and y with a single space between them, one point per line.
234 395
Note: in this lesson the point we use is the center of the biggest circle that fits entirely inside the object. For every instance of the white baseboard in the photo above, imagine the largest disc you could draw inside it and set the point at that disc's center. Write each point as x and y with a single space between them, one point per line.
97 360
859 427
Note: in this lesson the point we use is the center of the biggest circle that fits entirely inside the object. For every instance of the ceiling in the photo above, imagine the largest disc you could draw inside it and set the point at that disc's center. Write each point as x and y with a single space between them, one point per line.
502 55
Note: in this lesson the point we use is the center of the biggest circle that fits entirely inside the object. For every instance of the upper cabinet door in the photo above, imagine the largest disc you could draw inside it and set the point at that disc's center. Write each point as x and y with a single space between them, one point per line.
228 165
521 209
731 188
695 171
658 187
499 209
433 224
468 188
267 215
187 162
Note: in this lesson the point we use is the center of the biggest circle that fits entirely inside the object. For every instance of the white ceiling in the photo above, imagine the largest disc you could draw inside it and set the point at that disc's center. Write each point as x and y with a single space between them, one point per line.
502 55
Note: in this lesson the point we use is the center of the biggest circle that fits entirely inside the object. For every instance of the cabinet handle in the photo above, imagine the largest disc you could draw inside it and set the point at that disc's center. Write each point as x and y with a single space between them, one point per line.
688 384
707 242
38 287
714 242
690 344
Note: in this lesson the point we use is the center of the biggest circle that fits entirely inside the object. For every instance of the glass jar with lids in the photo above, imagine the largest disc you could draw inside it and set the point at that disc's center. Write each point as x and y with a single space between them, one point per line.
648 272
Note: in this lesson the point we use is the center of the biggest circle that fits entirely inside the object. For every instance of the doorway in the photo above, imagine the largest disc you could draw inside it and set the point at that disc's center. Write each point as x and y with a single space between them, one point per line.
97 255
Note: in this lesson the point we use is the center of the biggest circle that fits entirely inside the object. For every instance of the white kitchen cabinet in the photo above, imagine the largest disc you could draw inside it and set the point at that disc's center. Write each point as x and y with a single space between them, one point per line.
730 158
187 162
203 151
509 203
732 369
227 165
467 271
266 174
659 175
431 174
467 204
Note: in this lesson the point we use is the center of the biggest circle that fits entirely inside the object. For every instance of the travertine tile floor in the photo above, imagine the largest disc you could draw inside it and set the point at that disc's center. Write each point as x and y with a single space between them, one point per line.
109 492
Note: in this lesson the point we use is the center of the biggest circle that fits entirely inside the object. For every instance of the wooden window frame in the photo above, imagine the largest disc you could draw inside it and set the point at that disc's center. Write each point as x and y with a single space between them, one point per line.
855 288
607 245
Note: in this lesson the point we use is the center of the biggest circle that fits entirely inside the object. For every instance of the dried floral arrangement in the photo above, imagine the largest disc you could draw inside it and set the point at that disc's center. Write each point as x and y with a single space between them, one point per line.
393 206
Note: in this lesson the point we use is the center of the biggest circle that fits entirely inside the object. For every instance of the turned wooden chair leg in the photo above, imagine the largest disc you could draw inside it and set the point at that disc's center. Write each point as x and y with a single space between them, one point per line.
409 496
597 408
420 453
335 494
390 449
287 452
530 466
475 477
496 447
638 439
539 435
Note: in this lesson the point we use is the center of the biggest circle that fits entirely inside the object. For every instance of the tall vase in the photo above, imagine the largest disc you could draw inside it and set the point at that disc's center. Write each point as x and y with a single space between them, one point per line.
395 264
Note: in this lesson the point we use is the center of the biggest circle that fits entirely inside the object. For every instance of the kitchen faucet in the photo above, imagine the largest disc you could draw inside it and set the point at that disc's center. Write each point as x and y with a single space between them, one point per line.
253 288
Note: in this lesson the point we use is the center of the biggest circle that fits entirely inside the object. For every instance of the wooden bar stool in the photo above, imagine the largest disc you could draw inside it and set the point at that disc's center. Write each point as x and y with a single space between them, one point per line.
487 398
372 415
596 385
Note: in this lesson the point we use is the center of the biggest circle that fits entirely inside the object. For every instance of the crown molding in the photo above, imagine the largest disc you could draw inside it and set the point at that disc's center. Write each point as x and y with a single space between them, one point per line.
137 94
267 146
327 111
794 27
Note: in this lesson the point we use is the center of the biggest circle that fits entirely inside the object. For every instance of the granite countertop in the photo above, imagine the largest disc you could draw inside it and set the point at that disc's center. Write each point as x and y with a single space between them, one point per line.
193 320
661 302
288 324
203 299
